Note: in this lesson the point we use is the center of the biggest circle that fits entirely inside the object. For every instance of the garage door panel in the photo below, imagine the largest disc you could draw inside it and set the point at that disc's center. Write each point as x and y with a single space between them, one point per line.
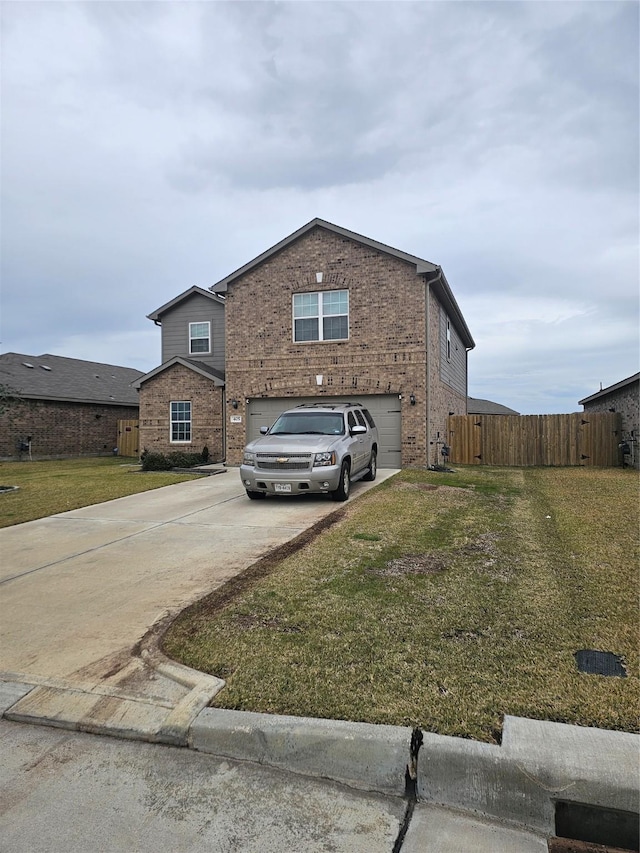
385 409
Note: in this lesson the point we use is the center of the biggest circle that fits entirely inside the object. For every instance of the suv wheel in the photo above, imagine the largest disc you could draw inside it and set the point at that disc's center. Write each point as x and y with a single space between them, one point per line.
373 468
256 496
342 492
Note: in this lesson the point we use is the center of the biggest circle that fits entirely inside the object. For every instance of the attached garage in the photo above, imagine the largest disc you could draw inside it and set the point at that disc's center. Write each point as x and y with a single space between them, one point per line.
385 409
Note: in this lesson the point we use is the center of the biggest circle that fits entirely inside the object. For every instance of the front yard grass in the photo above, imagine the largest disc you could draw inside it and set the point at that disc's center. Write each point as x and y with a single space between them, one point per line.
442 601
46 488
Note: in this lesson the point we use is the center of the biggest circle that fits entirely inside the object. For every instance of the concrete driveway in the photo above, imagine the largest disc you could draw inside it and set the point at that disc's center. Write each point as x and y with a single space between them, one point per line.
80 589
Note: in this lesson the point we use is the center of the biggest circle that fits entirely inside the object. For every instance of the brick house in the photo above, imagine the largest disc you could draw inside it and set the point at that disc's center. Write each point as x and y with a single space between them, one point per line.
65 406
622 397
323 314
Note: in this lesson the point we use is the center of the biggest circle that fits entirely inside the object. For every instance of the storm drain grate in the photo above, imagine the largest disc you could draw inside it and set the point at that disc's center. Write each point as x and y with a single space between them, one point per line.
600 663
582 828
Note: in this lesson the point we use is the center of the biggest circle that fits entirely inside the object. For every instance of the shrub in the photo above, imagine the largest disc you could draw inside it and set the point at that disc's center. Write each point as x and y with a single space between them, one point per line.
166 461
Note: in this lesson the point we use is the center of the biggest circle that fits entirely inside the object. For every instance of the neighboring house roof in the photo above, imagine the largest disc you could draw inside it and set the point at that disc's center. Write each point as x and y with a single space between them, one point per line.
54 377
157 314
197 366
476 406
432 272
604 391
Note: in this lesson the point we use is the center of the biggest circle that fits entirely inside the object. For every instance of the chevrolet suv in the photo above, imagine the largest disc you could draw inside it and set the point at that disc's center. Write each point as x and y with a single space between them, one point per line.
318 448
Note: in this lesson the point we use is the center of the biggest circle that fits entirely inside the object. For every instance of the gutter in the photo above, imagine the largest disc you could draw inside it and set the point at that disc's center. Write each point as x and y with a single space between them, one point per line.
449 301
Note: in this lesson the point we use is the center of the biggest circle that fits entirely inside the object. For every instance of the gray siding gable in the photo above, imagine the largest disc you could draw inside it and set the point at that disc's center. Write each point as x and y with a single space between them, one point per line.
194 308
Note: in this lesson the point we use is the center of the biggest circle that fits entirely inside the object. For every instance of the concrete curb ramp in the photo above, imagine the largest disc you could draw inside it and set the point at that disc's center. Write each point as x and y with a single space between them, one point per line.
108 710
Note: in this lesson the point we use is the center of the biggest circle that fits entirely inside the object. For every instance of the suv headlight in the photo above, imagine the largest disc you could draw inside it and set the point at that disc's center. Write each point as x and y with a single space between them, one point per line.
249 458
323 459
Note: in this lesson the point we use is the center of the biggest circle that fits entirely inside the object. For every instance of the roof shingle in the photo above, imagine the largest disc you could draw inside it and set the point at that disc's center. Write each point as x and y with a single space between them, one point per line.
54 377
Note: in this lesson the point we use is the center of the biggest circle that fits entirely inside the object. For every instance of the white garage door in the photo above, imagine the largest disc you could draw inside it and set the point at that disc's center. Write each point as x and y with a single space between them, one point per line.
385 409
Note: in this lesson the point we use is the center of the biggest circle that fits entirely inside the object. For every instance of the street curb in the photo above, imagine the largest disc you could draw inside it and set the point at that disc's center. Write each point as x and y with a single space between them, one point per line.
360 755
538 764
517 783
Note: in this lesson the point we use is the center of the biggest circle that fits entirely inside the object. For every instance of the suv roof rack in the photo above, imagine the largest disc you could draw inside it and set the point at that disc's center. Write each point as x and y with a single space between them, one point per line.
326 405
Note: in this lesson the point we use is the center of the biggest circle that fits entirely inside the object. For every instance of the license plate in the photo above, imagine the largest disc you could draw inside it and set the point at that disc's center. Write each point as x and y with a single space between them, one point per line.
282 487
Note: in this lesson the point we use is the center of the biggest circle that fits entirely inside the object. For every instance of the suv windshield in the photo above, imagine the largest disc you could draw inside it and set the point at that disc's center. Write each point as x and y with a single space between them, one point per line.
308 423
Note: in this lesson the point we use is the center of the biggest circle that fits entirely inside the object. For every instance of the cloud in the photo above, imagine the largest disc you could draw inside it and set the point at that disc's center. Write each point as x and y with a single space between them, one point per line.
147 147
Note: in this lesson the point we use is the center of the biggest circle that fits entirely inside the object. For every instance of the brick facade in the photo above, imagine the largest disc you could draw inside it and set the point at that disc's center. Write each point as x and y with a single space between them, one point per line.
61 429
626 401
207 403
443 398
386 352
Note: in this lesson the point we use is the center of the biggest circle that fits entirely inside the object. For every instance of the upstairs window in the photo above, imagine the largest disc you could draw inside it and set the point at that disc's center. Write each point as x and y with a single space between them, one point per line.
180 421
199 338
448 340
321 316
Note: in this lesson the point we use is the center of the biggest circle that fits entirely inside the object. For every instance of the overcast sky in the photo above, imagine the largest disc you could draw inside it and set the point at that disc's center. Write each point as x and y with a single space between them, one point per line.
148 147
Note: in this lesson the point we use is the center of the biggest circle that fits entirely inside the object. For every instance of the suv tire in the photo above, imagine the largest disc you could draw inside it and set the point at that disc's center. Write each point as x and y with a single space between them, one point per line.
256 496
342 492
373 468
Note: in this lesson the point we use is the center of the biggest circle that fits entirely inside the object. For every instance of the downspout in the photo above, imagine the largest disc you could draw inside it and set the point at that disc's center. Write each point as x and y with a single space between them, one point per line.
427 363
429 282
224 424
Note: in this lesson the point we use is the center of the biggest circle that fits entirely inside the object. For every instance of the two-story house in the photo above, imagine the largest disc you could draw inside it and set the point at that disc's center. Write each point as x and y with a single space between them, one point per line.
324 314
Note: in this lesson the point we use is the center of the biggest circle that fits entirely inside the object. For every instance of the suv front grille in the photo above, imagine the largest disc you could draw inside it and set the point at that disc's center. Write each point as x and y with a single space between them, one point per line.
283 462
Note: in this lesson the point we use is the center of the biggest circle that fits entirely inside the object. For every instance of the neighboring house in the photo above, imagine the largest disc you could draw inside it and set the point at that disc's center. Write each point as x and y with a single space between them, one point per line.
326 314
623 397
476 406
65 406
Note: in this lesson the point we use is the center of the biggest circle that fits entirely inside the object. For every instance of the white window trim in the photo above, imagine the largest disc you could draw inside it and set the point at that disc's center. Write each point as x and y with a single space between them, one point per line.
191 338
173 440
320 316
448 341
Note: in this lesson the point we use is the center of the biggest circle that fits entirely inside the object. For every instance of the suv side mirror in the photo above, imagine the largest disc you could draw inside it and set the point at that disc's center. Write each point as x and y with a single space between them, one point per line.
358 430
264 430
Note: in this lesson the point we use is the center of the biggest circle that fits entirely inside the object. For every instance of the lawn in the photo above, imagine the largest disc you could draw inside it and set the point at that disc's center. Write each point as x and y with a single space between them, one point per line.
46 488
442 601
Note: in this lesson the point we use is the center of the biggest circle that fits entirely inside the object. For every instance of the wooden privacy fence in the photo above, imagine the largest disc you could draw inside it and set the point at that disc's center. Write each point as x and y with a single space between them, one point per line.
128 438
521 440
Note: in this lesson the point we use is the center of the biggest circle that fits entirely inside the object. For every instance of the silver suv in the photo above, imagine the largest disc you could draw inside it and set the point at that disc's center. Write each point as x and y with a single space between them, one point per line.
319 448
